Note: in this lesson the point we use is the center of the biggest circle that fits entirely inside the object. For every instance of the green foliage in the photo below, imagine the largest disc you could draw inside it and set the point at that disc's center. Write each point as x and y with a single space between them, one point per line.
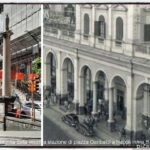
37 65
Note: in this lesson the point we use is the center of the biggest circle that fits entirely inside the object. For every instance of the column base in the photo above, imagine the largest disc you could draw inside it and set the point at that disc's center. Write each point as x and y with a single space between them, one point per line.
111 125
64 97
81 110
135 136
94 114
58 98
77 108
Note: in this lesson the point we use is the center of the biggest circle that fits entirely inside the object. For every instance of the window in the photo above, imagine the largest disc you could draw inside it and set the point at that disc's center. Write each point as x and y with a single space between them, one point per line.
86 25
119 30
147 32
100 28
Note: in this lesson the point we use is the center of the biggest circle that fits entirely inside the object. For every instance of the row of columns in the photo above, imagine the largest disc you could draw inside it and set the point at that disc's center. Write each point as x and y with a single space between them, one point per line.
110 93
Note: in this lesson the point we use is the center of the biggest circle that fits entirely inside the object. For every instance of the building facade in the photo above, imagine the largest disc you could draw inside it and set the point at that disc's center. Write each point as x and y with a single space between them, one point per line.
25 23
100 54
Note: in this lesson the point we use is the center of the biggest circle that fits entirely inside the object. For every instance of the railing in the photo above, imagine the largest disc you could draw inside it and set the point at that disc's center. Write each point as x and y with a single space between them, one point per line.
18 111
68 33
51 30
24 88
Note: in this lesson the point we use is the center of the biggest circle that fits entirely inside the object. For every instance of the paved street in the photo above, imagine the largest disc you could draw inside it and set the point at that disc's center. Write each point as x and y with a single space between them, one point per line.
58 133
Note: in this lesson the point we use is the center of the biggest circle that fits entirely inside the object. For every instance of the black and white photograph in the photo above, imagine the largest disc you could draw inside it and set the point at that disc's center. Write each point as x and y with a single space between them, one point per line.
20 75
96 75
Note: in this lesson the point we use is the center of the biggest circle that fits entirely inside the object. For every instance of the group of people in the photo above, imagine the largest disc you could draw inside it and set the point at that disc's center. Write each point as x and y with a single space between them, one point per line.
49 97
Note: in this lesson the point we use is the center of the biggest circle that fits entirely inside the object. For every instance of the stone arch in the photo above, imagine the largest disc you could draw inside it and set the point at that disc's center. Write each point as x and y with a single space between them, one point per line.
116 75
119 91
142 107
86 93
54 54
51 71
67 58
102 78
67 79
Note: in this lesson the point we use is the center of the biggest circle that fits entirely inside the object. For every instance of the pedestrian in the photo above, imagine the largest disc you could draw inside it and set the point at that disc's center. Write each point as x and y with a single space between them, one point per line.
123 134
143 137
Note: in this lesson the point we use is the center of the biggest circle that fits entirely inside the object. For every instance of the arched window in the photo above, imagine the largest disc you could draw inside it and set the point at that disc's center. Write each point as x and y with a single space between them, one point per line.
86 24
102 26
119 29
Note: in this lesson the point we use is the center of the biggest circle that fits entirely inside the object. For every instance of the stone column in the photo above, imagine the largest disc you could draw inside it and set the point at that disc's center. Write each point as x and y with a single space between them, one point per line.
94 98
110 120
6 80
115 95
48 73
58 77
137 118
110 27
76 81
145 100
64 82
78 24
148 100
81 95
129 99
92 21
106 92
130 106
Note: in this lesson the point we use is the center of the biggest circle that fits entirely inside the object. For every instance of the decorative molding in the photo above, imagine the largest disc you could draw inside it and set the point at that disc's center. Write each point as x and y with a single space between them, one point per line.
86 6
101 7
120 8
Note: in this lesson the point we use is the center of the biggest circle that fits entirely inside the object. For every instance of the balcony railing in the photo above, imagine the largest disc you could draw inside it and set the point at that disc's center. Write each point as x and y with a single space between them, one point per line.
68 33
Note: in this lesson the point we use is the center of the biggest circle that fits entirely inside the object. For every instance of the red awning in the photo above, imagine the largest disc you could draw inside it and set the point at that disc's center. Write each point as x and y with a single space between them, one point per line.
19 76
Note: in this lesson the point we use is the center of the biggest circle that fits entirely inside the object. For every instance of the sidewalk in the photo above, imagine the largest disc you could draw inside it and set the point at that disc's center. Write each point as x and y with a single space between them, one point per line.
21 134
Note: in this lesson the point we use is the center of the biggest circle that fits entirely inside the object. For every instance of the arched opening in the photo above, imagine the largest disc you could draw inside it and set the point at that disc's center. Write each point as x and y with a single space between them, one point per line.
101 92
68 80
51 72
143 109
87 95
119 98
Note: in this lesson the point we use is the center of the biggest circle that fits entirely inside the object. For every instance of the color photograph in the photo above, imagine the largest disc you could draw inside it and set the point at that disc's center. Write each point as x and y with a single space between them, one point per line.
20 75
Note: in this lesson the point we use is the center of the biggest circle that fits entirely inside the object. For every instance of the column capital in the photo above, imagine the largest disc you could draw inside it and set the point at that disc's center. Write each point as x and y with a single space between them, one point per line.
7 33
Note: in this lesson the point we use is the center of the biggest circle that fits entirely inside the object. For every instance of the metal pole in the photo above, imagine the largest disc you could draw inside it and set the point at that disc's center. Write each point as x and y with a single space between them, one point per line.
33 118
